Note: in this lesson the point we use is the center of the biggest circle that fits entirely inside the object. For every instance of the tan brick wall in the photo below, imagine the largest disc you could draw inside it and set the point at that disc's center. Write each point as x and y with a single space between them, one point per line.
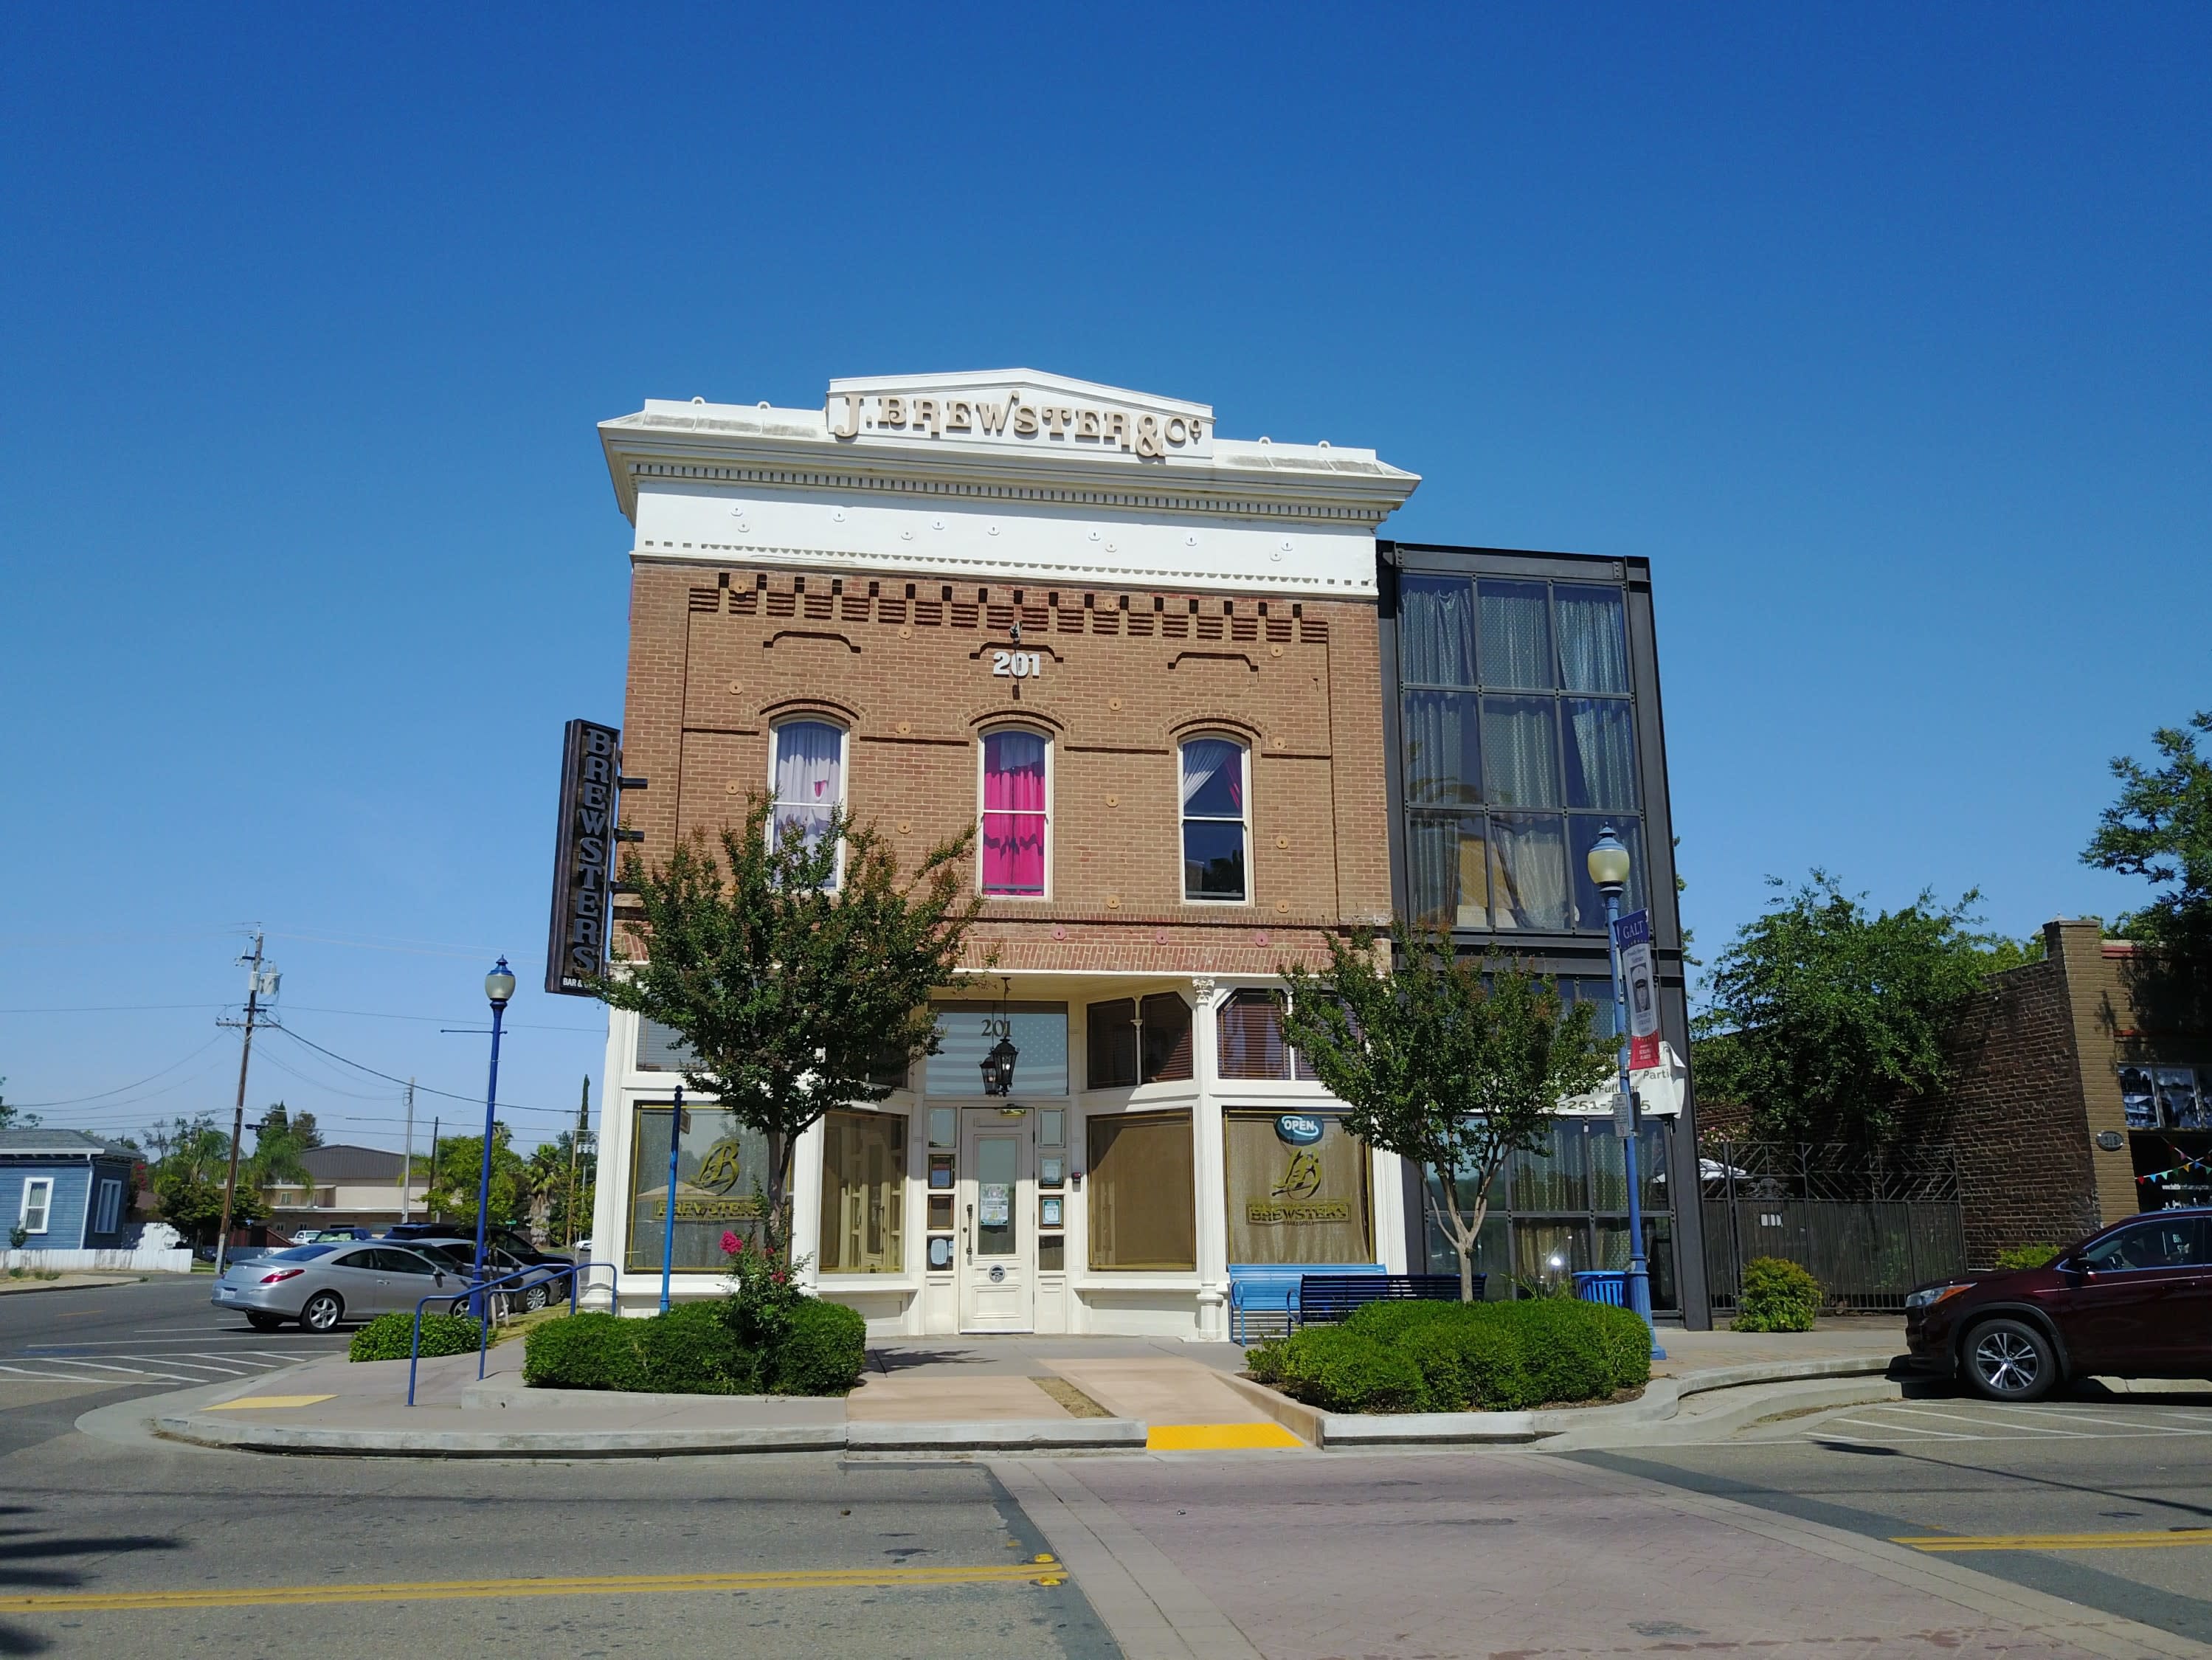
717 656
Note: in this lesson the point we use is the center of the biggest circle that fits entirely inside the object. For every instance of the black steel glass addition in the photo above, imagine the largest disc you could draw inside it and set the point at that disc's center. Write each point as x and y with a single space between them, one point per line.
1518 738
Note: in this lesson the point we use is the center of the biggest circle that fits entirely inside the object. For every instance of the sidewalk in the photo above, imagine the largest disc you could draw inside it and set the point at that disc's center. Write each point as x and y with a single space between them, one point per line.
957 1395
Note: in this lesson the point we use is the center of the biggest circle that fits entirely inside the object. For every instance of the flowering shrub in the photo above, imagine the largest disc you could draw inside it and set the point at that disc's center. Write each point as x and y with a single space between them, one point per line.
759 1309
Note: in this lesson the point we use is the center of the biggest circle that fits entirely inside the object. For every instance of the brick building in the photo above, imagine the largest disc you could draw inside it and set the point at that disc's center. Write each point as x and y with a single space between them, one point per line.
1143 660
2083 1093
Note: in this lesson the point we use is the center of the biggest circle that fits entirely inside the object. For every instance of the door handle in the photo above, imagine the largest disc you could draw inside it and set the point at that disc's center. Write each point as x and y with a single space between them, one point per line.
968 1233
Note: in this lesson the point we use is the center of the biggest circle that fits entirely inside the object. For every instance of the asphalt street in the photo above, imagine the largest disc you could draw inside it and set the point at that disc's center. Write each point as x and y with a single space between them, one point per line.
224 1553
2104 1500
128 1544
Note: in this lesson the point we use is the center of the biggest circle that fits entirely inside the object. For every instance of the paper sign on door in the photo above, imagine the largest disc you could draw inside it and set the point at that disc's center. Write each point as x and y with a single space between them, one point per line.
995 1204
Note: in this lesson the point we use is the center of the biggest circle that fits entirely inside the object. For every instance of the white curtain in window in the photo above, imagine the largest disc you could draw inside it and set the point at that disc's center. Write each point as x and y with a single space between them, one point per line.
1593 655
1213 778
808 765
1601 754
1520 759
1516 636
1441 765
1436 631
1528 876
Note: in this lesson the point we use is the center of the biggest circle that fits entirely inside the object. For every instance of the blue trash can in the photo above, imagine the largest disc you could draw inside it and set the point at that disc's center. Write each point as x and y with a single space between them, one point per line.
1604 1286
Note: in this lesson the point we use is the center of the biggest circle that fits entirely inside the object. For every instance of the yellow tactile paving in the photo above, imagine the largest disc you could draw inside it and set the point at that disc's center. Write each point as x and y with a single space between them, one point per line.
1219 1438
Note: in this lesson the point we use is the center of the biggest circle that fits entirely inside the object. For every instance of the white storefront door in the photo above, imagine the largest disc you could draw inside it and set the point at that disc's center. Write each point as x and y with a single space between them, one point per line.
997 1240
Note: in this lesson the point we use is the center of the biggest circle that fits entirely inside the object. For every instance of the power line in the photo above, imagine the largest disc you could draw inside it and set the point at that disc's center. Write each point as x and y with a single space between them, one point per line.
120 1088
502 1106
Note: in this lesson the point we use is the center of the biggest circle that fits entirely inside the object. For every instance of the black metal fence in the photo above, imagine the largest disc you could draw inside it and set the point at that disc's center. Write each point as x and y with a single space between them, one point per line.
1870 1226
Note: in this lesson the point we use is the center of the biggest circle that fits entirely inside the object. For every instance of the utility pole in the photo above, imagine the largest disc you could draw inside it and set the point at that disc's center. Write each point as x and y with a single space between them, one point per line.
575 1144
434 1121
407 1159
255 983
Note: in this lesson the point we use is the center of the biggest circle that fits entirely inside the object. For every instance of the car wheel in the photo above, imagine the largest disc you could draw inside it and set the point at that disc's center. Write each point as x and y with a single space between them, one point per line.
264 1321
534 1300
323 1312
458 1305
2010 1360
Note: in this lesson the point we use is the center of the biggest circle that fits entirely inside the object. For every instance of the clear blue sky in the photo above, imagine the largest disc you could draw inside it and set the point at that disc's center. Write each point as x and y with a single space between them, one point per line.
1882 332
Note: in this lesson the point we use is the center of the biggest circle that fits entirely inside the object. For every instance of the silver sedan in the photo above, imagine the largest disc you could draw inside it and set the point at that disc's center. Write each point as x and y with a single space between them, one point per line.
324 1285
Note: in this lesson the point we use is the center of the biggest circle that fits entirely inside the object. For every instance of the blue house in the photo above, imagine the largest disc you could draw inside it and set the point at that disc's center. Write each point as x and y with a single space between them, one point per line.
64 1190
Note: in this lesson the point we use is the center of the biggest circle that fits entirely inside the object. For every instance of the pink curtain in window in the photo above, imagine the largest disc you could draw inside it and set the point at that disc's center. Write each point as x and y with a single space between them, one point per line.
1014 812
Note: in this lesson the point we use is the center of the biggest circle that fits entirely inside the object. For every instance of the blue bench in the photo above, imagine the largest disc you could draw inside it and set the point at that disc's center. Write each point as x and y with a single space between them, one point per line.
1272 1289
1324 1299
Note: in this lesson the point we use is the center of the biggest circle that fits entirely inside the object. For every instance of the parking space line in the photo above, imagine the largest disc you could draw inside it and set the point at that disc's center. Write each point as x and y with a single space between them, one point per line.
2080 1417
1911 1429
80 1377
1980 1423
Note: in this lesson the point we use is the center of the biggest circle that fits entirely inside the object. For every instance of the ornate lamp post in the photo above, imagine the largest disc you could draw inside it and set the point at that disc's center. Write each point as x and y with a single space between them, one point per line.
1609 868
499 986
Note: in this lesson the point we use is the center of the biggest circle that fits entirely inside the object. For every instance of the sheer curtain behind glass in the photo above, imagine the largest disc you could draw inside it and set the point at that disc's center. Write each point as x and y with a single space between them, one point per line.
1436 631
1014 812
1593 654
1516 636
809 781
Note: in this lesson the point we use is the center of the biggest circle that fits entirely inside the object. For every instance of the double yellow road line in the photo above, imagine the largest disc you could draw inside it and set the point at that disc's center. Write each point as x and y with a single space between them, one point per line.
1946 1543
1043 1571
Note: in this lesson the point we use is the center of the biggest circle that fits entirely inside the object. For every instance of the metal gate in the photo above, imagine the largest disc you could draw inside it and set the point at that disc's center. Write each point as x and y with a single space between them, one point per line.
1870 1226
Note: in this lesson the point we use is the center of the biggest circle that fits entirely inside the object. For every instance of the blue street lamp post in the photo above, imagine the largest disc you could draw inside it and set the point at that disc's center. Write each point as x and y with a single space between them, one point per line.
499 986
1608 869
676 1124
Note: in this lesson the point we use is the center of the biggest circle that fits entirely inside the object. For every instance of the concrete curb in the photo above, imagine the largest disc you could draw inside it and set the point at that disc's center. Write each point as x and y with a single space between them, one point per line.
309 1439
1661 1399
66 1282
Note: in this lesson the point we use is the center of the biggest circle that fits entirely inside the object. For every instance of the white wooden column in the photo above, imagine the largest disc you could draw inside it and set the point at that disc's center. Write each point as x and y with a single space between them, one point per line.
610 1198
1211 1178
806 1207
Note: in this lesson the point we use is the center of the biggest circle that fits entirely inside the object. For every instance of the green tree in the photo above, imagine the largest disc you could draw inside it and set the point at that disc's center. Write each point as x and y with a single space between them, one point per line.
1453 1064
1826 1019
459 1170
2160 829
564 1177
15 1118
790 978
280 1144
192 1162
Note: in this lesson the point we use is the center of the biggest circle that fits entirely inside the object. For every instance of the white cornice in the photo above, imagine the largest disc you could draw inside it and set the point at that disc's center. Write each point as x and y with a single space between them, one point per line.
764 450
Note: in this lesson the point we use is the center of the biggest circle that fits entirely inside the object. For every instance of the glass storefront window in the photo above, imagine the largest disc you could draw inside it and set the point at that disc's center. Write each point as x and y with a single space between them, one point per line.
1293 1198
966 1033
717 1162
1493 1254
1141 1198
863 1193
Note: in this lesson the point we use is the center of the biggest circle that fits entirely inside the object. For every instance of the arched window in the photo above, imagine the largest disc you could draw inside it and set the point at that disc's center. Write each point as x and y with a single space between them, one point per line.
806 777
1015 818
1216 817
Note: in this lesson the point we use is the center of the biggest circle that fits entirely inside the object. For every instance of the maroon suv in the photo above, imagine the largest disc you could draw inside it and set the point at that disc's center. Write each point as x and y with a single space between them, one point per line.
2133 1301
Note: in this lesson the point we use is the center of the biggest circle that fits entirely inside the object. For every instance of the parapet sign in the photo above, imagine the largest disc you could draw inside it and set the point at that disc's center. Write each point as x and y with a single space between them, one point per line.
583 857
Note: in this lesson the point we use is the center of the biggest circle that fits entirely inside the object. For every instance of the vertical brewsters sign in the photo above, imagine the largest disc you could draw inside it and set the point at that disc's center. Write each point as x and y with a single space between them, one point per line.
583 859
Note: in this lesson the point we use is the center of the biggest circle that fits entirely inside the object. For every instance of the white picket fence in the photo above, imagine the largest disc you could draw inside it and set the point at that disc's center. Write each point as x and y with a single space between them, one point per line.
142 1260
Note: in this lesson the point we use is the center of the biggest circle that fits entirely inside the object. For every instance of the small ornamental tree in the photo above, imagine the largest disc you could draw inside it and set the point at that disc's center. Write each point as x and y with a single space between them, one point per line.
1454 1064
2160 829
793 966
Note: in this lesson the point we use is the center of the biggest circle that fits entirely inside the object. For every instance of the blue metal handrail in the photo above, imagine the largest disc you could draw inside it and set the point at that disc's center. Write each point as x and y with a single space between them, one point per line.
475 1292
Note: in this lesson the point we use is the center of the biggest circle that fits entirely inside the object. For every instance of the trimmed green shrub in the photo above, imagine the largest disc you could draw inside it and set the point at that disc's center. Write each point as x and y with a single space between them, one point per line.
692 1350
1339 1370
1777 1295
823 1350
582 1352
387 1336
2026 1256
695 1349
1471 1365
1453 1357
